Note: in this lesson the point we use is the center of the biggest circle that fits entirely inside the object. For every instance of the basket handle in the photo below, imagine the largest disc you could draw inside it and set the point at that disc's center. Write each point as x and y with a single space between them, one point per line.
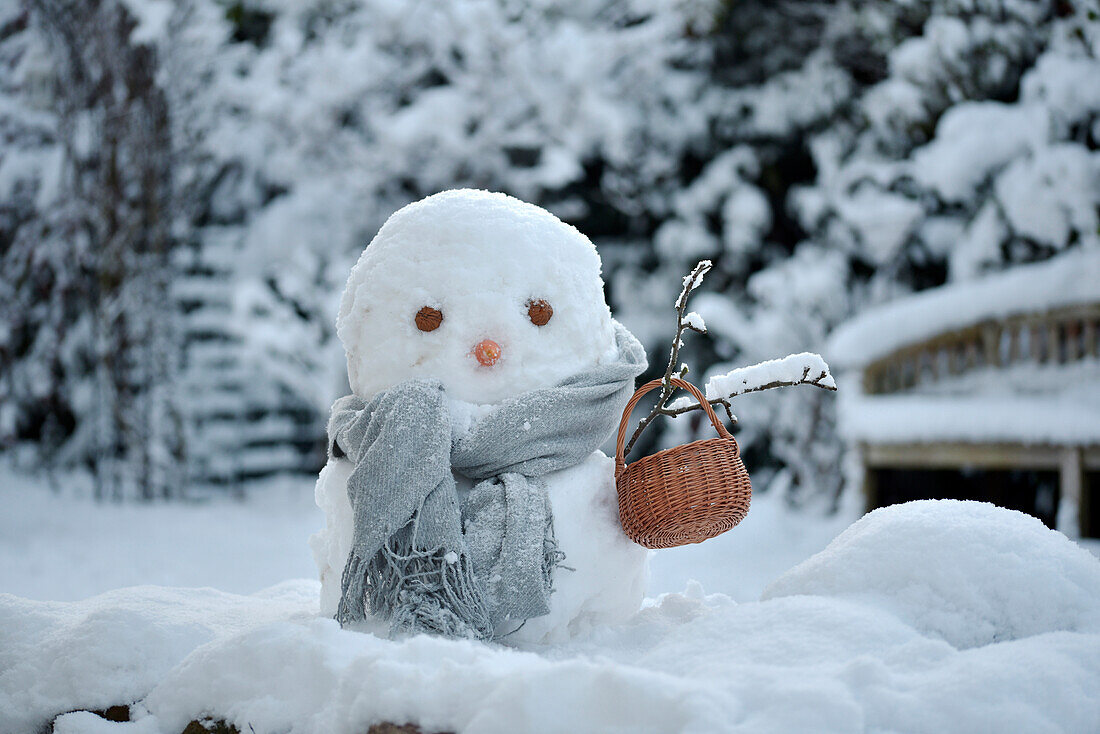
620 459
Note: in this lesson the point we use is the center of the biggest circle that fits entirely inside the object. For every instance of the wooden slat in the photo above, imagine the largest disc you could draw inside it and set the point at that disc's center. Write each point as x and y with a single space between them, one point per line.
971 351
1071 477
1035 341
991 344
1054 342
1072 333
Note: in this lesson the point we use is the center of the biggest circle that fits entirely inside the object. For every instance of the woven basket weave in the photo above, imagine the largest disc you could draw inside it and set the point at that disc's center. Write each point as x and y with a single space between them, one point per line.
685 494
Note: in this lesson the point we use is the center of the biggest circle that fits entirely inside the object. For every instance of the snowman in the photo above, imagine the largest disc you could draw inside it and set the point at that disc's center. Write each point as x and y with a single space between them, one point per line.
465 493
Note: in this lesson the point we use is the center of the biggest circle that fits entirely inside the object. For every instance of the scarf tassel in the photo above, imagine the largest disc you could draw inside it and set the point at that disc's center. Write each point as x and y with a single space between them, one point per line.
418 590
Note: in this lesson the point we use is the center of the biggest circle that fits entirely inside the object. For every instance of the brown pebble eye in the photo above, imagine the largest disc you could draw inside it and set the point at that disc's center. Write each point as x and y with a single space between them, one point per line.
539 312
428 318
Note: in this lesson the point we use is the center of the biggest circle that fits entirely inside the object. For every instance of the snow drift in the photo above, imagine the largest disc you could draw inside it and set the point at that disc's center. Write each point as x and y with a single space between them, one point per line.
969 573
929 616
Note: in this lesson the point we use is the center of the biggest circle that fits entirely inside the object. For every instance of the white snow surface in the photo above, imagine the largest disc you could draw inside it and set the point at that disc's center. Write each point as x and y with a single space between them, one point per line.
479 258
152 20
64 547
1067 279
939 616
969 573
1065 83
883 220
1050 196
1026 403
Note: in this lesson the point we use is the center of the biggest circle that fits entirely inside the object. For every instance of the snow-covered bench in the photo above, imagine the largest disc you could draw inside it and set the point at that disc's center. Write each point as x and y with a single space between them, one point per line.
999 375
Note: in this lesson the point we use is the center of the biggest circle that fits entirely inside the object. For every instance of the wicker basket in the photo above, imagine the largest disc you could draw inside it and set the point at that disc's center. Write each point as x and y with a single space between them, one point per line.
685 494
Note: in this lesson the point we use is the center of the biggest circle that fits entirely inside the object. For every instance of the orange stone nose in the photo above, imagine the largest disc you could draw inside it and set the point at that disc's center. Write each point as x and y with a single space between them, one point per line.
487 352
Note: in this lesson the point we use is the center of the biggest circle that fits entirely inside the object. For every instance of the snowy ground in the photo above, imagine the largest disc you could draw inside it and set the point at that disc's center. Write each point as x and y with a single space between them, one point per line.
64 548
67 548
938 616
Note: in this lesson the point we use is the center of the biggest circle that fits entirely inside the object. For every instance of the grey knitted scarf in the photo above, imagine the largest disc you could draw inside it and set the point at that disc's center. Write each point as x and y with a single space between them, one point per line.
428 560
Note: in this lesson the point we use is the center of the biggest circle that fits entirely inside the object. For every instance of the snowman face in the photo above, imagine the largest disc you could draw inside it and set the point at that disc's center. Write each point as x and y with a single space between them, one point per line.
488 295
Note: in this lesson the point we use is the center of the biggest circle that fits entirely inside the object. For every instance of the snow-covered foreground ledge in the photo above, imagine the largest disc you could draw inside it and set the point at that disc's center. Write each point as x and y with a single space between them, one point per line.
932 616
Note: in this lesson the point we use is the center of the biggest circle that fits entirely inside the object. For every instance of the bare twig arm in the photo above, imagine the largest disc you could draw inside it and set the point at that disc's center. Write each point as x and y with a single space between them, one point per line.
683 323
795 369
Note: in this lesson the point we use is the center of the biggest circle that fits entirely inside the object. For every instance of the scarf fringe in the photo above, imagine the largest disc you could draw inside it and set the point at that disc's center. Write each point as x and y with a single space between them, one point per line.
421 591
552 556
417 590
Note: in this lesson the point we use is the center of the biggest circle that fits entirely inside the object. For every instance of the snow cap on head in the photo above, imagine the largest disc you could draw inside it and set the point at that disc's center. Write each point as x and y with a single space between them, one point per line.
481 260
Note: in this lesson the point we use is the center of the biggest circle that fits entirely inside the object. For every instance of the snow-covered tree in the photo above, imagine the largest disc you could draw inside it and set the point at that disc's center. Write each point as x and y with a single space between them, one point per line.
33 313
90 352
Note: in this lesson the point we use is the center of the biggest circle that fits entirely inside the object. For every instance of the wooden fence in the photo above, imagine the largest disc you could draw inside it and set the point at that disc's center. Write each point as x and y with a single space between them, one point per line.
1058 336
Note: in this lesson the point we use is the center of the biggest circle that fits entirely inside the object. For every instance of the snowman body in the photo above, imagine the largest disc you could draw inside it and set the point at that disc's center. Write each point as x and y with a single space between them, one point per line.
605 579
487 269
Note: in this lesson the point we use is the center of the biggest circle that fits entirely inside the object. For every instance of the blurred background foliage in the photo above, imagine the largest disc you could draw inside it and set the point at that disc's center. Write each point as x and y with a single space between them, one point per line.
185 184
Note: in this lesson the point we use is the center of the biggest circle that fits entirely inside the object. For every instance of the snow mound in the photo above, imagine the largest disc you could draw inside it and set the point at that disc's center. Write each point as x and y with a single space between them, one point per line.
925 617
969 573
113 648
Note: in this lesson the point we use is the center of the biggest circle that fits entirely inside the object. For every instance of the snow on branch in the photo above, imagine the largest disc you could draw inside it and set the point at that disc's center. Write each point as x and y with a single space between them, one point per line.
695 322
692 281
805 368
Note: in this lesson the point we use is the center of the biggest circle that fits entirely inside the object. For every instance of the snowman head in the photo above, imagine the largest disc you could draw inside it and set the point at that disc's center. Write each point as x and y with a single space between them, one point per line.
485 293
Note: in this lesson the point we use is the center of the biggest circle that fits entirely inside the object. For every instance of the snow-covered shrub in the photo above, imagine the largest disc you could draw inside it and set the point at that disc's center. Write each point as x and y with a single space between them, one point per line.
912 143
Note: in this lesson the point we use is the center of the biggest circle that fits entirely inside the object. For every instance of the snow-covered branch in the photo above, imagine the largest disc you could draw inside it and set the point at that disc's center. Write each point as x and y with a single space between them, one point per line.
691 282
804 368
